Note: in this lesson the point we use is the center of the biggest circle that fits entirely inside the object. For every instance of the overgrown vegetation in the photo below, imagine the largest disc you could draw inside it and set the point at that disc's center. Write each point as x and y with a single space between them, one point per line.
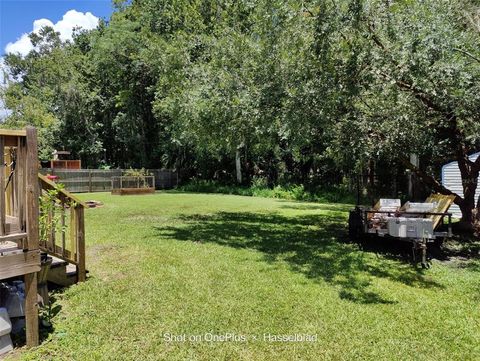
49 220
259 188
136 172
201 263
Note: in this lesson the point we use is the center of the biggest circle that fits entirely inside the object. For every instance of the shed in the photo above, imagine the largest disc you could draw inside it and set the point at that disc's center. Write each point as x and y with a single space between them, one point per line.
61 161
452 179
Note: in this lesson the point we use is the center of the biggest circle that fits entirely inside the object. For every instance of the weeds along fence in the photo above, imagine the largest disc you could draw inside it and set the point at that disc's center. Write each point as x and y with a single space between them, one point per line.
100 180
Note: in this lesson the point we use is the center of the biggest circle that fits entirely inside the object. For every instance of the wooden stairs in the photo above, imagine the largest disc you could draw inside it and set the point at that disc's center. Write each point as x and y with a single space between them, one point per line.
62 273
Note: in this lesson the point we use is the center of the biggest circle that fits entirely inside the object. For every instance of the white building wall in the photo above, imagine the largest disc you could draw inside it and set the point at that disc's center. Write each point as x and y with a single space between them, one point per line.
452 179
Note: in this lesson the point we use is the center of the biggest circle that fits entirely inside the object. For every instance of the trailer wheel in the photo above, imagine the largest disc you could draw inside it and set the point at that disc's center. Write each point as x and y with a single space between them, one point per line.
356 225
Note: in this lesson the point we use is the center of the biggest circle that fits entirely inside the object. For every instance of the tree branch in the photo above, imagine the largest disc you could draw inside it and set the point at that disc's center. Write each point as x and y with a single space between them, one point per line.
476 165
471 56
430 181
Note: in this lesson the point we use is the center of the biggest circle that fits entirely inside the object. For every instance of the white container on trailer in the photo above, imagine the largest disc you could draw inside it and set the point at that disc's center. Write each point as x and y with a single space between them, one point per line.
397 227
389 205
425 228
412 227
404 227
419 207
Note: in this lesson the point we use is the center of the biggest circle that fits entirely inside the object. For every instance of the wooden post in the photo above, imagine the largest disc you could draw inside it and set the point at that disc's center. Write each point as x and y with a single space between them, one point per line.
2 186
31 309
62 219
80 228
90 181
32 193
21 182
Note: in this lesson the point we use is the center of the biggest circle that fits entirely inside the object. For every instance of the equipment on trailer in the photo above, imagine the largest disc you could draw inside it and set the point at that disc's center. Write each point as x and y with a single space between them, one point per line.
418 223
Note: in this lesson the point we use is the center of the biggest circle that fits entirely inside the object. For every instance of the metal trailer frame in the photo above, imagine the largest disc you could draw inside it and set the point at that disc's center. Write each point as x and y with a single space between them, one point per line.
418 244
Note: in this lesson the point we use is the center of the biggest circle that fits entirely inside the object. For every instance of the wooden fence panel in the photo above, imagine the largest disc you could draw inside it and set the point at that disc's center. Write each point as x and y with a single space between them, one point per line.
100 180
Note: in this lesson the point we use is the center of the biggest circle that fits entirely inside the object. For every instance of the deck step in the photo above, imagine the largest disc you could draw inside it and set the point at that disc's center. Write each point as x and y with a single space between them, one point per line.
57 262
62 273
71 270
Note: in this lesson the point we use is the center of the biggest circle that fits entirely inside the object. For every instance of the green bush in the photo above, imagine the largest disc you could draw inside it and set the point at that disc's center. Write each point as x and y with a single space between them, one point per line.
259 188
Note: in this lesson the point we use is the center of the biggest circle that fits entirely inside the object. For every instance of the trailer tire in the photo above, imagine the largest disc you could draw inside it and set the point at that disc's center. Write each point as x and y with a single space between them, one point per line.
356 225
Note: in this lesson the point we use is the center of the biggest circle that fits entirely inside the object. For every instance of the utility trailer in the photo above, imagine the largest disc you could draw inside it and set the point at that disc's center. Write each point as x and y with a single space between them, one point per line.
417 223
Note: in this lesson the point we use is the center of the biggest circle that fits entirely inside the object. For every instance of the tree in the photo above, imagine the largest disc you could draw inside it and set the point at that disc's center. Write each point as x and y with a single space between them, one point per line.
417 89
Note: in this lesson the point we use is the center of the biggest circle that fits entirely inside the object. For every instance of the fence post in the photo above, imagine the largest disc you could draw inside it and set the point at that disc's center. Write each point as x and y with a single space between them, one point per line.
90 181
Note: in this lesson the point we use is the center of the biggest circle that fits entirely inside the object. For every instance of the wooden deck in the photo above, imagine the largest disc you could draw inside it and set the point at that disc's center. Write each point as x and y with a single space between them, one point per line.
19 218
9 247
14 261
21 188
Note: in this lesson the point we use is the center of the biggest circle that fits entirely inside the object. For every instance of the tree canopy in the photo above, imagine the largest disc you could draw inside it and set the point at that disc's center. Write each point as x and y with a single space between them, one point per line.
311 92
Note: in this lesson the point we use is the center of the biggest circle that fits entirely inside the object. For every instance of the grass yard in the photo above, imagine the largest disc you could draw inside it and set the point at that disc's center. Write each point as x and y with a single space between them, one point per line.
195 264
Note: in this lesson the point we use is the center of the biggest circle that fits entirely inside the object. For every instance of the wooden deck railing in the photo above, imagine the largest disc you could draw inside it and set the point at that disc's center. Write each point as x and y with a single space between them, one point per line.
62 227
19 218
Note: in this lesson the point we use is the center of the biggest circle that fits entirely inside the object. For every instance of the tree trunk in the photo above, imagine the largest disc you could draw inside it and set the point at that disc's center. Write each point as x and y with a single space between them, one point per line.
469 175
412 178
371 173
238 163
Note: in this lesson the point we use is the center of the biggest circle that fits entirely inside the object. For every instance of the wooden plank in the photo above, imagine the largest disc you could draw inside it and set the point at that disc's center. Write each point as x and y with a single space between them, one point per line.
3 209
65 195
13 237
8 247
132 191
62 276
6 173
32 210
443 204
15 183
21 183
31 310
13 132
32 189
51 225
72 231
58 254
62 222
18 264
80 228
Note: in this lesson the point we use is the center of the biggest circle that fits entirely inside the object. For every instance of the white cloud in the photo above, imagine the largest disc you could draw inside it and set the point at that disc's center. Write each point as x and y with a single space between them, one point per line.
71 19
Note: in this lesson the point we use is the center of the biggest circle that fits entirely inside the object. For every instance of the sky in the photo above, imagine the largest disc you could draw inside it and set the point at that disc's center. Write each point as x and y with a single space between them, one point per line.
18 18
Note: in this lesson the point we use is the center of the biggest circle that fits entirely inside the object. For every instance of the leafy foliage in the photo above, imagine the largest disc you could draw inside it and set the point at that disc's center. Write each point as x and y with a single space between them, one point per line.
309 92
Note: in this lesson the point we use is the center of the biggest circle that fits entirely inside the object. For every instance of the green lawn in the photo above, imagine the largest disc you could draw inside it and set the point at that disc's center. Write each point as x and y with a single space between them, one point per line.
196 264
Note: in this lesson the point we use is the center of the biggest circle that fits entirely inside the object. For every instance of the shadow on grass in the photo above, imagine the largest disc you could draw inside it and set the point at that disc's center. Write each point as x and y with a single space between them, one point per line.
309 244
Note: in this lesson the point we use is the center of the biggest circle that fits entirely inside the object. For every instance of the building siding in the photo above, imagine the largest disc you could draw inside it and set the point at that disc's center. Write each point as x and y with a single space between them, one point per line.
452 179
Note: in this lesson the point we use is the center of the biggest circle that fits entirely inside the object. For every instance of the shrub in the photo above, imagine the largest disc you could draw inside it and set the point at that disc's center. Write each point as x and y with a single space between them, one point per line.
259 188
